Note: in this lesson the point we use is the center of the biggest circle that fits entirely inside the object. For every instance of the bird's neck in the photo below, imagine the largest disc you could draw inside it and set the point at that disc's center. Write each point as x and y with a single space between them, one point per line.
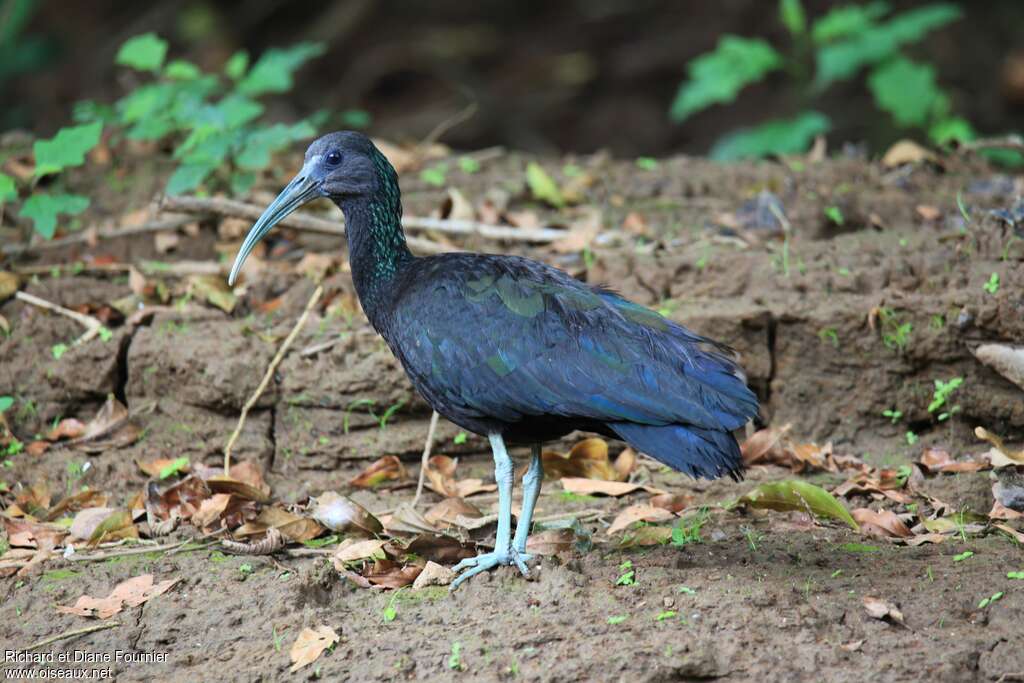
376 248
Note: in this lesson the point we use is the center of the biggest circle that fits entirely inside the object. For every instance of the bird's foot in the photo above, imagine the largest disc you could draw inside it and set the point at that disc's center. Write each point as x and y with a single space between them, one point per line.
487 561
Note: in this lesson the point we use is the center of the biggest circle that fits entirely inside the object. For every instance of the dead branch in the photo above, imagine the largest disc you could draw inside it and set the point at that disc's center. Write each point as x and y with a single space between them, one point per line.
108 234
426 457
229 207
92 325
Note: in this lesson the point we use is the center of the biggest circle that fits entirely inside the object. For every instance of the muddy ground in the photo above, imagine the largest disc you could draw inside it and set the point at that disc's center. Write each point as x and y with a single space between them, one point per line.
816 302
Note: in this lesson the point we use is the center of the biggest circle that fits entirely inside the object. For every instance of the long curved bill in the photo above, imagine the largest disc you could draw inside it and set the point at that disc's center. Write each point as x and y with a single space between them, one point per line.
300 190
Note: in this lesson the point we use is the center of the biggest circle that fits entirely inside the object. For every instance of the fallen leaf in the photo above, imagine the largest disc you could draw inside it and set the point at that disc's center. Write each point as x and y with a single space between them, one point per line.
938 460
456 207
928 213
880 609
351 551
581 234
315 266
1011 457
407 520
230 485
433 574
24 533
635 223
542 186
606 488
1008 361
551 542
452 512
1016 535
68 428
625 463
214 290
9 283
674 502
114 527
130 593
89 498
165 241
646 536
921 539
210 510
906 152
440 548
310 644
292 526
440 476
85 522
386 469
884 521
340 513
154 468
761 443
391 574
1000 511
587 458
641 512
797 495
33 501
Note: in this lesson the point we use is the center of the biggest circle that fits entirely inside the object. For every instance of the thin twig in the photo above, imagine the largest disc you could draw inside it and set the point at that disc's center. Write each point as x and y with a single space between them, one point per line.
229 207
99 557
268 374
440 129
71 634
92 325
314 349
426 456
1014 142
110 233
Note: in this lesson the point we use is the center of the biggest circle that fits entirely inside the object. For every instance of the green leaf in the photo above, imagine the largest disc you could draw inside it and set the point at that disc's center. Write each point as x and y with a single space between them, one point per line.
794 494
793 17
182 70
67 148
44 208
718 76
236 66
845 58
176 465
188 177
273 71
238 110
952 129
906 90
145 52
835 214
355 118
58 350
778 136
847 20
542 186
265 141
5 403
8 190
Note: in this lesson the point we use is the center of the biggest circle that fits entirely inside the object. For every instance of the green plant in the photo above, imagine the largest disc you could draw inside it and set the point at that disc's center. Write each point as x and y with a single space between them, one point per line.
911 438
835 215
895 334
628 575
989 600
455 662
836 47
829 334
893 415
992 286
617 619
688 530
943 390
963 556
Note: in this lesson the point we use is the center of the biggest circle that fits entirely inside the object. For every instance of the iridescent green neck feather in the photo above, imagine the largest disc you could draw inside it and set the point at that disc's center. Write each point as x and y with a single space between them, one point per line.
376 242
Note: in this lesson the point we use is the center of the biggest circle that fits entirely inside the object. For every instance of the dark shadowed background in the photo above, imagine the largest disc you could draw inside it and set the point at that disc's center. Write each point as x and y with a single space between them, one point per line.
565 76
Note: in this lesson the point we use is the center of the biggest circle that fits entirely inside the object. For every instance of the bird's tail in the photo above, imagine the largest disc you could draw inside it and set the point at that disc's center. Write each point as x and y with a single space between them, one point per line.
708 453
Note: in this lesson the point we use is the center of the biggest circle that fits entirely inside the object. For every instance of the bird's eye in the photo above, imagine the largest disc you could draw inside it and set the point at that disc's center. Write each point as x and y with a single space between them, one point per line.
334 158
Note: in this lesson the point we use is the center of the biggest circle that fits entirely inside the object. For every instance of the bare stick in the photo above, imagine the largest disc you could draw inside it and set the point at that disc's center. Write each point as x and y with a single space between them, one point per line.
426 456
86 236
440 129
1014 142
91 324
269 373
228 207
72 634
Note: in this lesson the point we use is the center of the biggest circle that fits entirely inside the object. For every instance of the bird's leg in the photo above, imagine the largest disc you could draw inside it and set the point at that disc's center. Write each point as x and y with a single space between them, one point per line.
531 489
503 542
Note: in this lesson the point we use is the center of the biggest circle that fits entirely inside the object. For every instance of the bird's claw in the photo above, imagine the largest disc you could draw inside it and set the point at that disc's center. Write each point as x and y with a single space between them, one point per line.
486 561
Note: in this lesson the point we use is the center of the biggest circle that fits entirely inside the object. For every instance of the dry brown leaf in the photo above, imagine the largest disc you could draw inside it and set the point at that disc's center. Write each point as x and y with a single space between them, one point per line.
761 443
880 609
457 207
646 536
439 548
883 523
153 468
292 526
214 290
452 512
85 522
440 476
310 644
406 520
906 152
315 266
928 213
210 510
68 428
921 539
90 498
938 460
674 502
1000 511
386 469
1011 457
234 487
114 527
433 574
130 593
391 574
605 488
165 241
33 501
352 551
24 533
635 223
641 512
9 283
342 514
587 458
551 542
1016 535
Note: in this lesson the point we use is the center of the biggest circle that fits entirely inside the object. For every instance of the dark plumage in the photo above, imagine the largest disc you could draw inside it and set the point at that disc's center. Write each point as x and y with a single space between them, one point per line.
519 351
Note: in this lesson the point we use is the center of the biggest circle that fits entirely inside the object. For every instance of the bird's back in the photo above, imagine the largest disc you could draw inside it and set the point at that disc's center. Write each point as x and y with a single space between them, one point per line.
509 344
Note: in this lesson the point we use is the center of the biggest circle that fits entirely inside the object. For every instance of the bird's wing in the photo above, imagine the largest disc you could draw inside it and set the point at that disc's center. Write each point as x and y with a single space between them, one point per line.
506 338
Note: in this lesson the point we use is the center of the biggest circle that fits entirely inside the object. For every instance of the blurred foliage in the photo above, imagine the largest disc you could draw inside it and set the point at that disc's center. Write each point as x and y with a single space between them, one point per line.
214 119
20 52
842 43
